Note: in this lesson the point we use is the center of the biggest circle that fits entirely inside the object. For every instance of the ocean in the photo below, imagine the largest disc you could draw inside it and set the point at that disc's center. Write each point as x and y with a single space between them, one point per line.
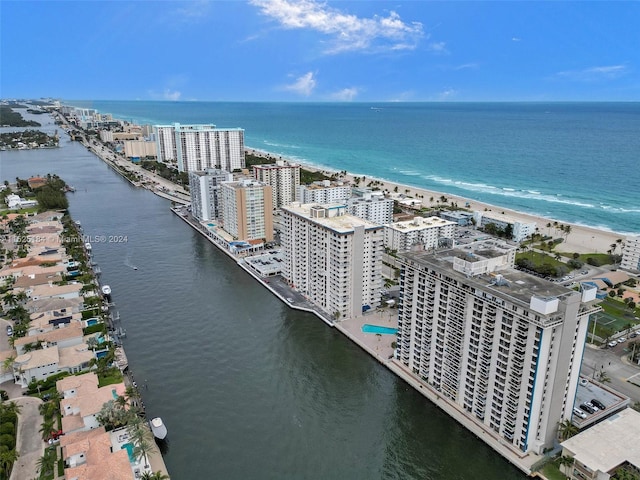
571 162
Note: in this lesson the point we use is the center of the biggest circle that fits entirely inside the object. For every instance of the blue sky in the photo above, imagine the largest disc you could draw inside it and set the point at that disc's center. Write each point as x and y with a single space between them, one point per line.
307 50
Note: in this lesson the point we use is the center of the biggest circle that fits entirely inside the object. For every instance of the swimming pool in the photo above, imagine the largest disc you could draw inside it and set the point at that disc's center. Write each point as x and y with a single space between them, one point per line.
92 321
367 328
129 448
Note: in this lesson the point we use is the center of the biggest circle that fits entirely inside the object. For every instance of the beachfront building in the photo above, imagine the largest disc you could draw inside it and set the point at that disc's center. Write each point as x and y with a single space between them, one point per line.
419 234
631 254
333 258
505 347
198 147
325 191
519 230
247 210
604 449
372 206
139 149
204 188
462 219
284 179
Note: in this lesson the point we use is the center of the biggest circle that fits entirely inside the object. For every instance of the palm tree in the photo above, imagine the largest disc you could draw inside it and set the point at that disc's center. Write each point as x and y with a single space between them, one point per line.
154 476
7 459
46 428
10 299
565 461
47 462
567 430
603 377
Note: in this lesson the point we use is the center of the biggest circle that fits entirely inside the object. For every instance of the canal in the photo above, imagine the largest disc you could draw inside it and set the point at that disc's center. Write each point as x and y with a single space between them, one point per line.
248 388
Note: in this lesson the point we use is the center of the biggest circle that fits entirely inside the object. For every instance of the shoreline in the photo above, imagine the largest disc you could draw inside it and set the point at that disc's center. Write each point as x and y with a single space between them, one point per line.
582 239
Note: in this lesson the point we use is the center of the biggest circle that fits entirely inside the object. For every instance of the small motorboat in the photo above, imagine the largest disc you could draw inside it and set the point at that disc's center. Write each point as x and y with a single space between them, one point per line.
106 290
158 428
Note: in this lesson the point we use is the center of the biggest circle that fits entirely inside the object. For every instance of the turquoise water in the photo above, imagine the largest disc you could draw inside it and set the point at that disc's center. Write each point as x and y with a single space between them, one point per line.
92 321
129 447
211 224
573 162
366 328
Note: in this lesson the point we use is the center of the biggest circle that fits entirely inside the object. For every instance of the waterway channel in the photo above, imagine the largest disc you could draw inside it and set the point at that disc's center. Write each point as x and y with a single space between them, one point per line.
248 388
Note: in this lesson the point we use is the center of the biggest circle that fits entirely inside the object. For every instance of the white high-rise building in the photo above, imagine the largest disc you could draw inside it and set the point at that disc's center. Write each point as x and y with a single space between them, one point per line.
284 179
198 147
247 210
371 206
631 254
519 230
419 234
204 188
333 258
324 191
505 346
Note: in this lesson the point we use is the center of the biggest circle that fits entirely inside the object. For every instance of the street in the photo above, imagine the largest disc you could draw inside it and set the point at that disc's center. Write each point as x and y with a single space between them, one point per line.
609 360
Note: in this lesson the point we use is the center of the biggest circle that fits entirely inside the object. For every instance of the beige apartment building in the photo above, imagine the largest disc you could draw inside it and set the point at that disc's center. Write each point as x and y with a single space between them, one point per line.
284 179
247 210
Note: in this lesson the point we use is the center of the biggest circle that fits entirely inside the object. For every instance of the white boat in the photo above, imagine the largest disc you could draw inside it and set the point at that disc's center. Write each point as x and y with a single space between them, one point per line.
106 290
87 246
158 428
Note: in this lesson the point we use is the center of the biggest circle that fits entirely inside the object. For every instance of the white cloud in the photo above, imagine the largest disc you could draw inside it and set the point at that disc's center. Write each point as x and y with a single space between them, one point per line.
515 39
345 95
348 32
447 94
438 47
191 11
173 95
303 85
466 66
608 72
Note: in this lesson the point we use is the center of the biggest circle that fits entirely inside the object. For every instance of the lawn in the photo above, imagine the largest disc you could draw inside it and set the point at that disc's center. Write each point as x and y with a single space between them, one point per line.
110 377
552 472
538 259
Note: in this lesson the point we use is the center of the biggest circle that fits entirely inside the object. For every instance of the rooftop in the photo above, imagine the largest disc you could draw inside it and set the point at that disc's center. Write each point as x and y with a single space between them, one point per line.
609 443
52 336
420 223
85 382
344 223
518 285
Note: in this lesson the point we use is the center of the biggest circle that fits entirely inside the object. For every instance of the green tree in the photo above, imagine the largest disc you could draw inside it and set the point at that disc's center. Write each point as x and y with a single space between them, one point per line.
567 430
154 476
46 428
47 462
7 459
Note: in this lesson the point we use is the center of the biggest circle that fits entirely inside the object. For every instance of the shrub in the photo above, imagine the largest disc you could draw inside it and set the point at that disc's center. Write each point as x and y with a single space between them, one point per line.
7 428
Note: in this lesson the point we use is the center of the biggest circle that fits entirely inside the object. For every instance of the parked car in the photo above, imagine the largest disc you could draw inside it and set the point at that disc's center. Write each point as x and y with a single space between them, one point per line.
597 403
589 404
622 339
612 344
586 408
633 335
9 331
579 413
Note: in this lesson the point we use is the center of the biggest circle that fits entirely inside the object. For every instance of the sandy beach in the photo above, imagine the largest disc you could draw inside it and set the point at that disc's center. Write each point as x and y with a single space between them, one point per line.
581 239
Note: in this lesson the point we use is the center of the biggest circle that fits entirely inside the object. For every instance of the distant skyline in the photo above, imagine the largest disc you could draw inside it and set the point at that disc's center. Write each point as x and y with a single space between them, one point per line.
314 51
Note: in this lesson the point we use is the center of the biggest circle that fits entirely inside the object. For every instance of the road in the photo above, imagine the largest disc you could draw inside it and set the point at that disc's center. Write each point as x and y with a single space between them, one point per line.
29 442
610 361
